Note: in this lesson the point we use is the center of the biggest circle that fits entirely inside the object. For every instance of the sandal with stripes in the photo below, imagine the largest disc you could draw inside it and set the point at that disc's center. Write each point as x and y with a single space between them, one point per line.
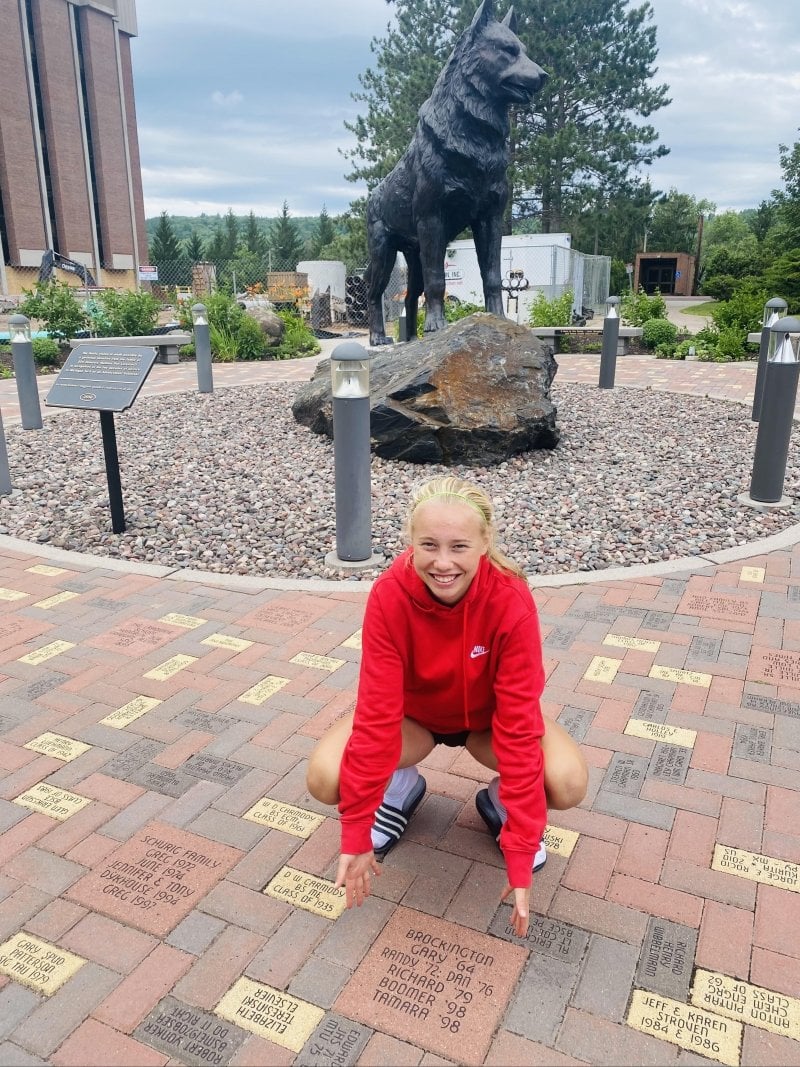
392 822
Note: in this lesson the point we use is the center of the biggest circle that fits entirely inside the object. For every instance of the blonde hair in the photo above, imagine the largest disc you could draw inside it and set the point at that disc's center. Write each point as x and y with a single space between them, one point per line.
456 490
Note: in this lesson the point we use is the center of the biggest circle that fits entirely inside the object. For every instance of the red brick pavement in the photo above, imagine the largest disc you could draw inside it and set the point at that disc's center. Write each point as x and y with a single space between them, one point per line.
133 875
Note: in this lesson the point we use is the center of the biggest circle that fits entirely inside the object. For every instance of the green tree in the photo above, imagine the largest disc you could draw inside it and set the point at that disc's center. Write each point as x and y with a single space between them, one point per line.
582 131
788 198
324 233
674 222
193 247
254 238
165 246
350 243
285 242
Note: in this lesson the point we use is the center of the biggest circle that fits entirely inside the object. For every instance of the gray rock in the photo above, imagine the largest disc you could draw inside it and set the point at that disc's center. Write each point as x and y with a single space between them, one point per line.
475 393
267 318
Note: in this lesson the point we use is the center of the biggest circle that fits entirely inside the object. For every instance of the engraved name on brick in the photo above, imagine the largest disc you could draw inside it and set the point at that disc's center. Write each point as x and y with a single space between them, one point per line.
753 743
625 774
189 1034
667 957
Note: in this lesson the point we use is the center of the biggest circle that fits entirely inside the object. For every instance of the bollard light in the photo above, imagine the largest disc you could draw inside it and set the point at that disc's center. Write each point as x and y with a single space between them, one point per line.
350 371
20 329
608 355
775 418
611 306
773 309
202 349
351 457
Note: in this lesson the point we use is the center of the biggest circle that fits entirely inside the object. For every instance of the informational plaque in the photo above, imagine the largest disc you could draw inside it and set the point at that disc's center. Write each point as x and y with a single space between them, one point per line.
751 1004
98 377
57 746
270 1013
307 891
702 1032
279 816
783 874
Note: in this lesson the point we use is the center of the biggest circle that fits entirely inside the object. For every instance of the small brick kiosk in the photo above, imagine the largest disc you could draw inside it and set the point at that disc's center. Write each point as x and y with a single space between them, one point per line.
671 273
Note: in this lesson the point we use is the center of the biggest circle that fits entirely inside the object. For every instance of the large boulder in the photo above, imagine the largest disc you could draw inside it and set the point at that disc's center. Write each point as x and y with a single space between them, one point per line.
266 316
474 393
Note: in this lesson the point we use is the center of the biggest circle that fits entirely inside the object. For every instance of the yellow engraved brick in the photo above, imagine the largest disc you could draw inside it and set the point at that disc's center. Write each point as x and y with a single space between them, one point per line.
271 1014
135 708
295 821
323 663
560 842
639 643
43 568
170 667
37 964
39 655
701 1032
58 746
659 731
12 594
307 891
263 690
602 670
784 874
188 622
674 674
752 574
57 803
353 641
751 1004
237 644
56 599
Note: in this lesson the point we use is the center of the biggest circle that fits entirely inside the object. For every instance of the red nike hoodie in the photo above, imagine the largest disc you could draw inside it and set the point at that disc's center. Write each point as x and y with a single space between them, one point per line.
475 665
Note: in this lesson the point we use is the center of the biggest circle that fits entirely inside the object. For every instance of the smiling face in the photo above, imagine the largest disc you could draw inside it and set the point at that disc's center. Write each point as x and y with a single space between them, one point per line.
448 541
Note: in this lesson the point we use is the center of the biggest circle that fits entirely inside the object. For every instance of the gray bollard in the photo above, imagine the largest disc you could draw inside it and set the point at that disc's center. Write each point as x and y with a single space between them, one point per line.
776 416
202 349
773 310
402 328
5 474
351 455
25 372
608 357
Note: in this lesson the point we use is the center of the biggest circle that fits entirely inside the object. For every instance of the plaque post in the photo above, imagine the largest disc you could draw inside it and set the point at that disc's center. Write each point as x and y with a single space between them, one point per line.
5 475
112 471
608 357
202 349
25 372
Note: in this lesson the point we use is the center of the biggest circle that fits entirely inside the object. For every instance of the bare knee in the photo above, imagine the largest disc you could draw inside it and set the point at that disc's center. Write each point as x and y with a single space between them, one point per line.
320 784
567 787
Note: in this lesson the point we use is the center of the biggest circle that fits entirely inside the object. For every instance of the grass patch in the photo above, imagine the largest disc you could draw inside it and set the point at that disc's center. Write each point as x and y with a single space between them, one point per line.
703 309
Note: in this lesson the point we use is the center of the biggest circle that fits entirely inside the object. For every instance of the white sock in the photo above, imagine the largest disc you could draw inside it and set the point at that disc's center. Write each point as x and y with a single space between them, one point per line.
399 786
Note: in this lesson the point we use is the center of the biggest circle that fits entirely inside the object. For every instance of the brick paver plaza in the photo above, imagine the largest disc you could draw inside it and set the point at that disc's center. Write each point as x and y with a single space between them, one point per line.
166 880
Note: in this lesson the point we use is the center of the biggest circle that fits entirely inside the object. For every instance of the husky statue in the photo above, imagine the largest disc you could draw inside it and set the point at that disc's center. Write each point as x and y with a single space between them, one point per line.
452 175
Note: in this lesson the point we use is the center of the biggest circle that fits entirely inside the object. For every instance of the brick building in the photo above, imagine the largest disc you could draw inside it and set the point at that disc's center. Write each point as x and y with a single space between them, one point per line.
70 177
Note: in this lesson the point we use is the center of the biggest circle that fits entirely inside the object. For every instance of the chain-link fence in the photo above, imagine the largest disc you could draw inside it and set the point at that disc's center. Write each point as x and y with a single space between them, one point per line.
325 293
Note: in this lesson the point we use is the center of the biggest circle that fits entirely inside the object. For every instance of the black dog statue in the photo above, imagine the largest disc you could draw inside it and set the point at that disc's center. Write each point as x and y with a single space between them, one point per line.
452 175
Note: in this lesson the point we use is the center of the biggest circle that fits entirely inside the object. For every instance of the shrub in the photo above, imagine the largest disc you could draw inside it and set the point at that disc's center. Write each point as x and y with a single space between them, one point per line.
555 312
127 314
667 351
743 311
46 351
251 342
297 341
460 309
637 308
657 332
55 306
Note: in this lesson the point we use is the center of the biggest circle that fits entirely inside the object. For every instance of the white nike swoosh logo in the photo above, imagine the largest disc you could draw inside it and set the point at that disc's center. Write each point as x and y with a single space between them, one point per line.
474 655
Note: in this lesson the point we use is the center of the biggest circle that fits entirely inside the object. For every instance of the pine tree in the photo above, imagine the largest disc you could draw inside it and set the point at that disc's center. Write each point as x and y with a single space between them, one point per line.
582 131
323 235
194 247
255 240
165 246
230 232
285 242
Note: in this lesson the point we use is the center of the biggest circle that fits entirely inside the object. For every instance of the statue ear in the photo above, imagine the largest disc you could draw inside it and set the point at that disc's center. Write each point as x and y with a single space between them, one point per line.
511 20
484 13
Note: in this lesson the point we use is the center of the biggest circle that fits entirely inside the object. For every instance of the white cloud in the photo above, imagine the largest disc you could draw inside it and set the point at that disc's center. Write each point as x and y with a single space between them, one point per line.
227 100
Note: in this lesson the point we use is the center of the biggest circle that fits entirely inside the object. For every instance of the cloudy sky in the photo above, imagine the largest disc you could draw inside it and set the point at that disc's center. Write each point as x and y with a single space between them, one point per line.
243 104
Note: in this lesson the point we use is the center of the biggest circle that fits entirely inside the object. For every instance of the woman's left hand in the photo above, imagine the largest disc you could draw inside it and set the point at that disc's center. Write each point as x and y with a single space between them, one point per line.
521 911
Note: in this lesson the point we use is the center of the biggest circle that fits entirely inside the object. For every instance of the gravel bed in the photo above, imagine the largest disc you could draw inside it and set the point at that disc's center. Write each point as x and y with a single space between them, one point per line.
230 483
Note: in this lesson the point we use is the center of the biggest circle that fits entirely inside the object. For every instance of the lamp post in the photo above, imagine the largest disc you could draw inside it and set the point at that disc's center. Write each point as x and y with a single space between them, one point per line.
202 348
773 309
25 372
5 475
608 357
351 457
776 416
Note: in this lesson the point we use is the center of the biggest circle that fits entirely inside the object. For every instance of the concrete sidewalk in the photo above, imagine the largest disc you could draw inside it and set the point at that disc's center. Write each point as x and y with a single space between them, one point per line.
165 888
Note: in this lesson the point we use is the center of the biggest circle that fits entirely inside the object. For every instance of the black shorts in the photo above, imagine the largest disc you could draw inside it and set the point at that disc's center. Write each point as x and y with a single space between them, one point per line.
451 740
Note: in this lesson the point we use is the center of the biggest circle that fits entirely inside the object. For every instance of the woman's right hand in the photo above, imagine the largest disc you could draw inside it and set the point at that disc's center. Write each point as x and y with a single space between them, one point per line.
355 873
